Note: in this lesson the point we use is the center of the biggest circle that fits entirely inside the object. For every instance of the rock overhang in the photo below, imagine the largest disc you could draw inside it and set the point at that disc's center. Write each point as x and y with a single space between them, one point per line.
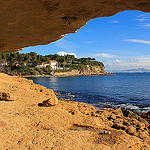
39 22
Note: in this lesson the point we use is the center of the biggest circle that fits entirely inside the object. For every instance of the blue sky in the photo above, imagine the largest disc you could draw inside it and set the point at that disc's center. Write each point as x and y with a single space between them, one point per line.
121 41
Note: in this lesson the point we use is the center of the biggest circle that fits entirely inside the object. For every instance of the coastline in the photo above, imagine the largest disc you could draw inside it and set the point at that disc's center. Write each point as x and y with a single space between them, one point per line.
67 125
69 74
36 76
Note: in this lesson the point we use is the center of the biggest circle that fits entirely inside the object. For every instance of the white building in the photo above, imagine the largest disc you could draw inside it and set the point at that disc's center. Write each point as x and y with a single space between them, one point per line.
52 63
43 65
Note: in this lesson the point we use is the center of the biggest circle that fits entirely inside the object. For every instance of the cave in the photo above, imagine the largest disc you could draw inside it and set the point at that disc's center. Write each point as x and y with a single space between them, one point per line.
25 122
39 22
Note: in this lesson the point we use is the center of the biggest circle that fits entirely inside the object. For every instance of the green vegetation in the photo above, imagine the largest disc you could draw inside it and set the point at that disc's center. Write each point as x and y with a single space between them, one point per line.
28 64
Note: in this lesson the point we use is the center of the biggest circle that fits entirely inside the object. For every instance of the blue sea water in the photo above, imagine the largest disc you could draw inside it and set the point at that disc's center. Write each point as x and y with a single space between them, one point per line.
126 90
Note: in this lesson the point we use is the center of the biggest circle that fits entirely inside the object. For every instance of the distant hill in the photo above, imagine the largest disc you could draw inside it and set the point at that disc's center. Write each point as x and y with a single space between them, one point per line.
20 64
136 70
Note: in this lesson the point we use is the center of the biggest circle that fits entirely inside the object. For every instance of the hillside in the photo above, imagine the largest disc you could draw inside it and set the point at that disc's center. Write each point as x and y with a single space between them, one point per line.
33 64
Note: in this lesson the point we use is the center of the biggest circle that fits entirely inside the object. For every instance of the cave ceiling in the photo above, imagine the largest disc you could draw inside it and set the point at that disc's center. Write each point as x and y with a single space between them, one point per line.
39 22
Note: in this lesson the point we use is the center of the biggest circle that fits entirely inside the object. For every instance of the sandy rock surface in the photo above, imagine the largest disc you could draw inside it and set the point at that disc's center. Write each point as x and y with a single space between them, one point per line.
26 23
65 126
89 70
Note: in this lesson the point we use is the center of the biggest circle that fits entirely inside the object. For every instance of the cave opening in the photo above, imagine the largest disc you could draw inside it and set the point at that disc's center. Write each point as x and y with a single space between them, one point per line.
120 41
81 107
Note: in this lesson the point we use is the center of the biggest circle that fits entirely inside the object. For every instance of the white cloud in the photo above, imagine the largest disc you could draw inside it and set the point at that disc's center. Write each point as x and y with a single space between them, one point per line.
114 63
66 45
89 42
106 55
141 20
61 53
144 25
144 17
138 41
135 62
114 21
117 61
144 57
147 25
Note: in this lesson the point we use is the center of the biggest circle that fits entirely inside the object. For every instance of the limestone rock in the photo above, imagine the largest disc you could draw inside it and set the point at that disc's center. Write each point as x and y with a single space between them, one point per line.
69 125
84 71
26 23
2 123
5 96
50 102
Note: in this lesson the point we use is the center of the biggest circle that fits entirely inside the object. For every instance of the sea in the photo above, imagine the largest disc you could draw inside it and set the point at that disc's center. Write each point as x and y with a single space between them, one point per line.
125 90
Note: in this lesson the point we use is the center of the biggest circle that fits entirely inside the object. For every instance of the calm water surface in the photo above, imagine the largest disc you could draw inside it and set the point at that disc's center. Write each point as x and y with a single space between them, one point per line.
127 90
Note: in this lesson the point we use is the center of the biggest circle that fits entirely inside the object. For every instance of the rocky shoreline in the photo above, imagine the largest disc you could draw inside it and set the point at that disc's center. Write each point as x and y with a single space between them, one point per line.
25 124
40 76
65 74
88 71
72 73
68 74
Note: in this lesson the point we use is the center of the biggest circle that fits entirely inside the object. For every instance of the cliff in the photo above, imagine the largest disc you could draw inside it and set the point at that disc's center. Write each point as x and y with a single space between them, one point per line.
84 71
26 124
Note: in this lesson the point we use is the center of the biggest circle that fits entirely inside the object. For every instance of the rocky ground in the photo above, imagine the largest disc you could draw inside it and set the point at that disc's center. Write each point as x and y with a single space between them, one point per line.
26 124
39 22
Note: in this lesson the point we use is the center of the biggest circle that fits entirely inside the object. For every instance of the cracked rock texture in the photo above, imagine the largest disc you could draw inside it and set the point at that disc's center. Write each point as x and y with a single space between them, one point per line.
24 124
26 23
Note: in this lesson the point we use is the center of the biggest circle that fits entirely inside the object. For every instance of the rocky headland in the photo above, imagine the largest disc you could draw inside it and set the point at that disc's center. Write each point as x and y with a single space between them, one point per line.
88 71
31 117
